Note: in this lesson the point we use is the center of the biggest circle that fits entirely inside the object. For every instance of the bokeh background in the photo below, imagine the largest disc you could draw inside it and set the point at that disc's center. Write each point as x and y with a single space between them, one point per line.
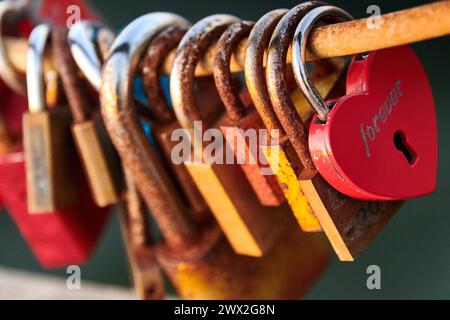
413 251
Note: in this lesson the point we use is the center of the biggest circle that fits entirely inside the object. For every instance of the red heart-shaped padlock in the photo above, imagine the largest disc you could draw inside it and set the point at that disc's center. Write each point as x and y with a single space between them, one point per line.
380 140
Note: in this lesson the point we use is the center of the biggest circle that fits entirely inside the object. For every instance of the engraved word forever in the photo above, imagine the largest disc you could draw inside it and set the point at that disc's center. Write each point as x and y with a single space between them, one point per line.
369 131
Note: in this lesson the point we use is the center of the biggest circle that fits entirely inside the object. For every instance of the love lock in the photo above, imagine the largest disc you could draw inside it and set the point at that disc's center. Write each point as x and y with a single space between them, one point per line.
164 122
192 253
379 140
243 121
146 273
93 145
57 237
251 228
282 158
349 223
50 181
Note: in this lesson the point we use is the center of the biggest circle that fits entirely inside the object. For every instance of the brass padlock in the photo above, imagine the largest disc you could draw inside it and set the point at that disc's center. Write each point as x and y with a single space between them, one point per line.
46 134
193 253
350 224
93 145
164 120
251 228
281 158
243 120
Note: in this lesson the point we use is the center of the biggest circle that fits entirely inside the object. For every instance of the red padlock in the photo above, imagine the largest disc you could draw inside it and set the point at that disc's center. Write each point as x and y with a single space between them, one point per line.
379 141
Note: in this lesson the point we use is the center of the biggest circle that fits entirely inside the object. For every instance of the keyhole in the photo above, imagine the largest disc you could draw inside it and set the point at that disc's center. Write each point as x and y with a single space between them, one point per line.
403 147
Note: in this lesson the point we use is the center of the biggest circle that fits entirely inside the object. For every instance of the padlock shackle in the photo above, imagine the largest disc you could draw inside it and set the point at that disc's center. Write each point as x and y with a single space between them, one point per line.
154 57
254 70
277 84
8 73
89 43
223 78
120 117
82 38
75 87
37 43
304 28
191 49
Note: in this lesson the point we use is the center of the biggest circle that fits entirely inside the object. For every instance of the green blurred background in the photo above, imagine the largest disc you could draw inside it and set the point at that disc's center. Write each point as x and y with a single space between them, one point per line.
413 251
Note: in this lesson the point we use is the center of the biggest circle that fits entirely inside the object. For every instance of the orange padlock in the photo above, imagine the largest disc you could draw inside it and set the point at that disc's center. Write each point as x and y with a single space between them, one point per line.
243 120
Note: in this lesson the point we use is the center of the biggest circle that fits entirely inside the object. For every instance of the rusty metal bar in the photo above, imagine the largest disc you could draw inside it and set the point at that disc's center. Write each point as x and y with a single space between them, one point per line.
347 38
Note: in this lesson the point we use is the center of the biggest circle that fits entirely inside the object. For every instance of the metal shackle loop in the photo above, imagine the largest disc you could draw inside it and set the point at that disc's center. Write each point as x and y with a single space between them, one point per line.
278 84
299 44
82 39
35 75
121 120
8 74
190 50
75 87
254 71
157 51
226 88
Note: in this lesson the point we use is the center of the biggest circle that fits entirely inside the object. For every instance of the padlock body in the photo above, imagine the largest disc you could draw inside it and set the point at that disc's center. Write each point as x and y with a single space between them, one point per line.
245 141
213 270
47 148
189 190
380 140
99 160
350 224
285 166
251 227
284 161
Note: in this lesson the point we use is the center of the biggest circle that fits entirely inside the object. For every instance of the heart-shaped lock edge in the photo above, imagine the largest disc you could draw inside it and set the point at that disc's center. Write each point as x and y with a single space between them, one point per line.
360 77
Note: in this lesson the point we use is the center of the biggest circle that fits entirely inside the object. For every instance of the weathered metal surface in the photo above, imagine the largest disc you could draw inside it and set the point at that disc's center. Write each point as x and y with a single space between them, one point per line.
147 275
164 120
213 271
243 118
251 228
196 256
94 147
282 158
